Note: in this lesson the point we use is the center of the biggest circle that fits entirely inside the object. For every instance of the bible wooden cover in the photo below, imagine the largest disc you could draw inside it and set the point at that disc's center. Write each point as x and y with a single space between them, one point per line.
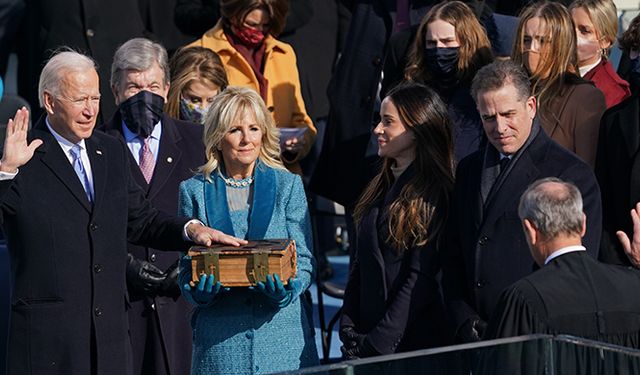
244 265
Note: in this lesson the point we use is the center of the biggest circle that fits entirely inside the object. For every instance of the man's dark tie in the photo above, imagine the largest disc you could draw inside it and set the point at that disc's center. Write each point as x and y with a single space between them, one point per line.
504 163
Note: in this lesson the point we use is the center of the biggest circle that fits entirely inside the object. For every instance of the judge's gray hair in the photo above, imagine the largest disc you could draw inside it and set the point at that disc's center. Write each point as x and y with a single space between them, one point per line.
553 206
63 61
138 54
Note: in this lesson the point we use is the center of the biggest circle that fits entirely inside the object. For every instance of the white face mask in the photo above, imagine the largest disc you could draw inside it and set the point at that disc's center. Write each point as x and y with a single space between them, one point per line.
588 51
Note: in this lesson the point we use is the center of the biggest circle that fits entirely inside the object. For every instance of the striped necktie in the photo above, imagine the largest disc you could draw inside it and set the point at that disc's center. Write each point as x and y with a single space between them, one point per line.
78 167
147 161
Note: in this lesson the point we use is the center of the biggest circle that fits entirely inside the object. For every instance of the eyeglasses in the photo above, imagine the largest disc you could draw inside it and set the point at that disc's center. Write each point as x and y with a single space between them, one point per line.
91 101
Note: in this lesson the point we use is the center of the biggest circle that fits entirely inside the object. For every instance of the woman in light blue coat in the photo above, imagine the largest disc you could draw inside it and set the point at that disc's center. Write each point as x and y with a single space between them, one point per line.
244 190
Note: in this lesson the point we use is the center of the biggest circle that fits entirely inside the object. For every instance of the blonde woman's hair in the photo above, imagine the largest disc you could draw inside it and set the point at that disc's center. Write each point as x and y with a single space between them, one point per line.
190 64
475 48
604 16
561 55
226 108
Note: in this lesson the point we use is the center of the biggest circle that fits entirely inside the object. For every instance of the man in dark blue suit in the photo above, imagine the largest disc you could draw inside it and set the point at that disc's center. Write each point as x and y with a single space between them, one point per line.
158 316
486 250
68 205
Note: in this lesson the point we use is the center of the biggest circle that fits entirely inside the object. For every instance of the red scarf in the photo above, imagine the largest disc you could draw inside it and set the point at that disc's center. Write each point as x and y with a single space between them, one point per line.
254 56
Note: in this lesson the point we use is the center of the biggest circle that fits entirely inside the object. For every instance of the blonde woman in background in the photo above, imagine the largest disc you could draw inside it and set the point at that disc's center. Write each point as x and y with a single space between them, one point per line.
569 108
197 75
596 23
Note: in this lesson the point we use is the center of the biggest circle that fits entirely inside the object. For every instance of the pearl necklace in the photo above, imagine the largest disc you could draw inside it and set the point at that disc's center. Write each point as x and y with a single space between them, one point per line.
236 183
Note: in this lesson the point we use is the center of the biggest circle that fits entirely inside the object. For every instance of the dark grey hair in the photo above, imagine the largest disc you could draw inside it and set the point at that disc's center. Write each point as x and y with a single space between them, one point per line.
497 75
553 206
138 54
63 61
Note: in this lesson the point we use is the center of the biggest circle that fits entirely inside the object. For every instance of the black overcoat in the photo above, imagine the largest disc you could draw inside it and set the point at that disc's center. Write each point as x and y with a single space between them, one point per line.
618 173
486 250
394 297
160 328
68 256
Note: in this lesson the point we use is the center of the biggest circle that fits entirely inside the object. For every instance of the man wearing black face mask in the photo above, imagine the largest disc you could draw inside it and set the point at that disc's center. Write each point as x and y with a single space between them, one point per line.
164 151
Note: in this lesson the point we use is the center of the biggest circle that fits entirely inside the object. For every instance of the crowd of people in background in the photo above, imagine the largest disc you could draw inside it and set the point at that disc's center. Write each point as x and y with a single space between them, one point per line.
486 154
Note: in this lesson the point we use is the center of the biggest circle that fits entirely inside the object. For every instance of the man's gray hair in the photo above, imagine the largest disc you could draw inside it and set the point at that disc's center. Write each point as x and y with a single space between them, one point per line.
553 206
62 62
497 75
138 54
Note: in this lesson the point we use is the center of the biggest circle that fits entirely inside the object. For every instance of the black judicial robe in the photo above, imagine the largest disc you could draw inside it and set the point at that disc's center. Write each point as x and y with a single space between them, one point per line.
575 295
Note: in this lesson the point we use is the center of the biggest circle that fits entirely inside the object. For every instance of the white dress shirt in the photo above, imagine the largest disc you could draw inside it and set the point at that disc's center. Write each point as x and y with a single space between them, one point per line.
564 250
135 143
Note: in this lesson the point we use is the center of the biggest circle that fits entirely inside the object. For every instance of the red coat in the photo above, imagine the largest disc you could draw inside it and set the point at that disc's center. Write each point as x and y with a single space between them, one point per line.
614 88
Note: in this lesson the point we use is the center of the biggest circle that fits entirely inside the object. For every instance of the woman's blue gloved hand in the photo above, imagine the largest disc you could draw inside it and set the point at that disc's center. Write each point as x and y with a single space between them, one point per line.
280 295
204 293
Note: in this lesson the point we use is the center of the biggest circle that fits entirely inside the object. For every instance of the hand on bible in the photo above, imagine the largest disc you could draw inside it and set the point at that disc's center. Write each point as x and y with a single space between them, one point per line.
17 152
632 247
280 295
203 235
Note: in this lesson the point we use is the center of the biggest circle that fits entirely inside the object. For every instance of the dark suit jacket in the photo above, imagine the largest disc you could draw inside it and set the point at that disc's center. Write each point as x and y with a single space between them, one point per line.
68 257
576 295
181 151
618 172
393 298
486 249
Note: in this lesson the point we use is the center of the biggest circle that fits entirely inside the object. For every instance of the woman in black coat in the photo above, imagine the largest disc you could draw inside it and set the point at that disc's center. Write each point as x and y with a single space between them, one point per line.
392 300
449 48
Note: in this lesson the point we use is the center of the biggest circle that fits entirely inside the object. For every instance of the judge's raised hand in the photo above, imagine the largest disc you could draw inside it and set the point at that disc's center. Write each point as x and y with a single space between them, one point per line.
203 235
17 152
632 247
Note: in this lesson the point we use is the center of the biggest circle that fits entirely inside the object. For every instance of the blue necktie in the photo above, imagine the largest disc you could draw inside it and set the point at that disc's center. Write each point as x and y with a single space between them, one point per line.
80 171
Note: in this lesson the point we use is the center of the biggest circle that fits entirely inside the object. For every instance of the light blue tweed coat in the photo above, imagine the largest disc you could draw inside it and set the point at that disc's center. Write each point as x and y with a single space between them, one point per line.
242 333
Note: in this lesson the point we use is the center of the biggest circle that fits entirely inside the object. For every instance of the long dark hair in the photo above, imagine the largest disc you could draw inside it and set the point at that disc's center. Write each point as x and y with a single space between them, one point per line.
418 214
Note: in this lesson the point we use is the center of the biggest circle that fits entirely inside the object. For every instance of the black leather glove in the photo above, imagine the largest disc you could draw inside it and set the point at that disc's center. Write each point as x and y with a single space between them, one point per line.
169 286
142 276
472 330
355 345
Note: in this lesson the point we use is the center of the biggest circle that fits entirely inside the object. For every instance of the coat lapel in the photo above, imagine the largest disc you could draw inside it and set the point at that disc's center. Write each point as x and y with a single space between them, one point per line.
169 155
114 128
520 176
215 198
264 198
98 161
55 159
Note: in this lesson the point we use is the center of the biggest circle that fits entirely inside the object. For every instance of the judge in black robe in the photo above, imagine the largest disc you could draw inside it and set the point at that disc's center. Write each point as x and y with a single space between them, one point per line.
572 293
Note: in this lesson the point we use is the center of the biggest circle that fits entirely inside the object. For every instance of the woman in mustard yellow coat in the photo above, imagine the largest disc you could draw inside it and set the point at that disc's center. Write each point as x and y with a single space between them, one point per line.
244 38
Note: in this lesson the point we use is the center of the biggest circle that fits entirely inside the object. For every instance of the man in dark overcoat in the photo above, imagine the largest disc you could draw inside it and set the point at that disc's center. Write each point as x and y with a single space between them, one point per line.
158 316
68 206
485 249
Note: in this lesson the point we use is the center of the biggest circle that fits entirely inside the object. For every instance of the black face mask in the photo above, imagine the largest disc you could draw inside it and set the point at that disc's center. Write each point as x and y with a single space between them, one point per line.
442 62
142 112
